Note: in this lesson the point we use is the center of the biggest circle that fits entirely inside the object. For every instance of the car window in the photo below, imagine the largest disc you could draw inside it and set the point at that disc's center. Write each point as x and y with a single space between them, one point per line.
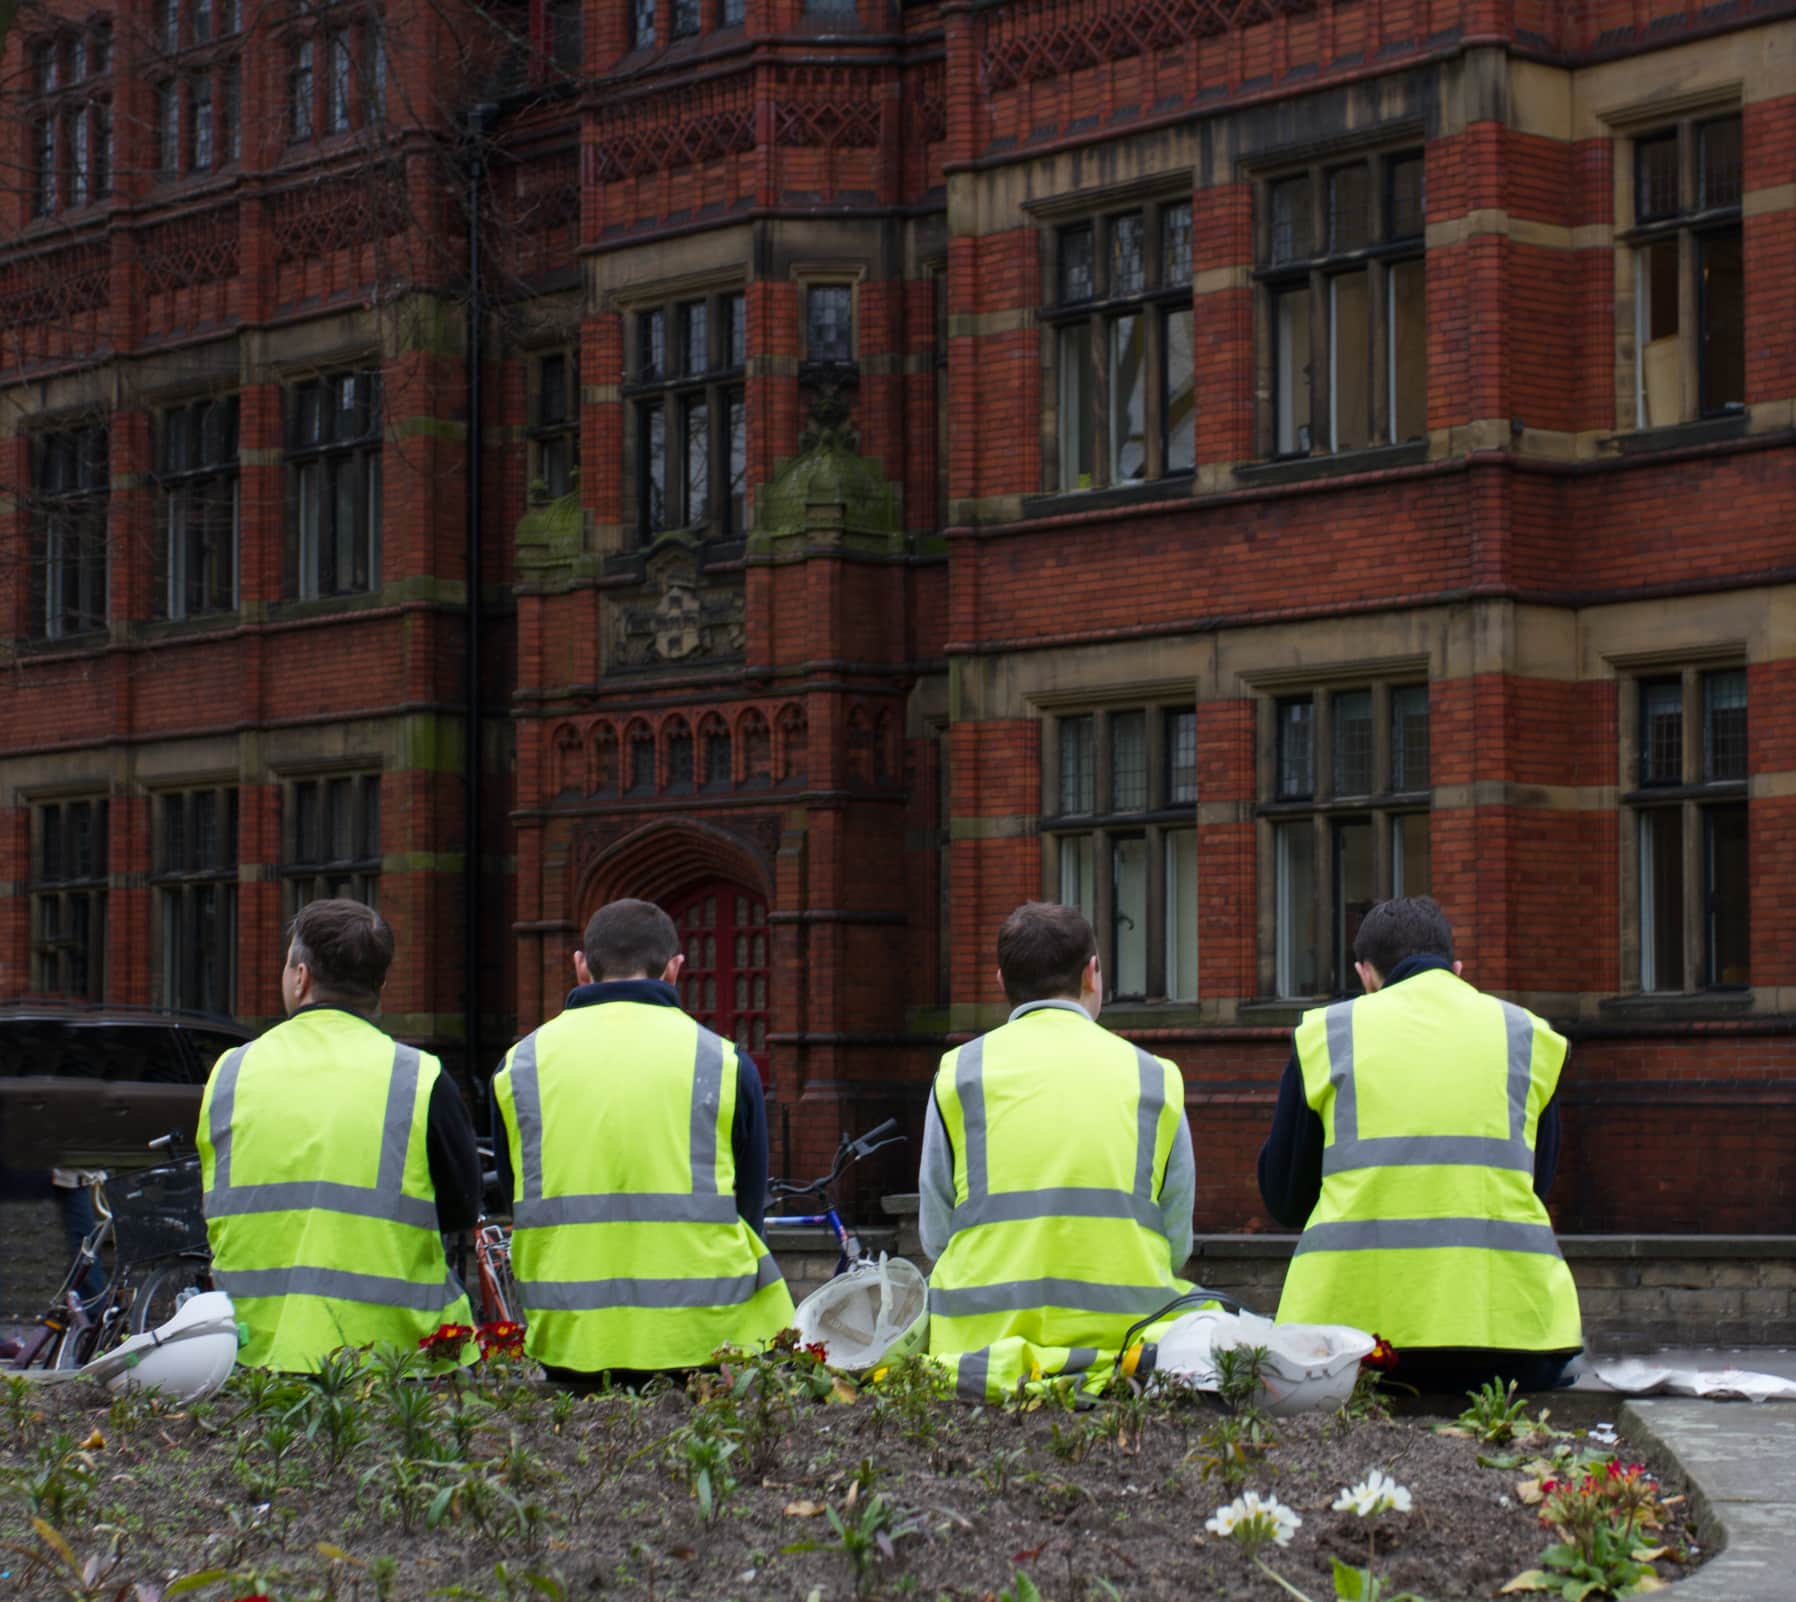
120 1051
208 1047
30 1047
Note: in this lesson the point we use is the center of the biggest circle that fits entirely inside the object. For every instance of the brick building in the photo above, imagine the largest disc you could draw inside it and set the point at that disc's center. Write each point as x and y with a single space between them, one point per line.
1217 464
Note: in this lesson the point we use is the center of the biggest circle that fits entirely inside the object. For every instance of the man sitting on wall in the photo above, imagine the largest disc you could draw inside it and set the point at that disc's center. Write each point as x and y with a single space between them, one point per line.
1057 1178
334 1158
1414 1139
634 1141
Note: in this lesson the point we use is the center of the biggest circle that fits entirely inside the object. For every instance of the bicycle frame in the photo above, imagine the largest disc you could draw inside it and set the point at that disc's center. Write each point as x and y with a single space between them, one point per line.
849 1152
69 1317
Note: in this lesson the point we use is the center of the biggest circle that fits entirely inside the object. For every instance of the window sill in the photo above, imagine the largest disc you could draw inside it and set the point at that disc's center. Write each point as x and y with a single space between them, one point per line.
293 609
1057 503
91 642
1681 436
1667 1006
179 628
1338 464
1281 1012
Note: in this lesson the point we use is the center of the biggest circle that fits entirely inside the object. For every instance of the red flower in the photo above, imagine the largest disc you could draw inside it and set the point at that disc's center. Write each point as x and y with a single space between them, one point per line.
502 1338
446 1340
817 1350
1382 1357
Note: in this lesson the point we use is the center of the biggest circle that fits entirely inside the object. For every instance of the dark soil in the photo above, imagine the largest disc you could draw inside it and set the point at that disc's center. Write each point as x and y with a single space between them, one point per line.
540 1494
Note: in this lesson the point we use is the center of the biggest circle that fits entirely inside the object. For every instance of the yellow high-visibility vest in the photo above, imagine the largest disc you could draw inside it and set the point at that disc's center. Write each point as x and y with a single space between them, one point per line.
626 1243
1428 1231
319 1203
1061 1134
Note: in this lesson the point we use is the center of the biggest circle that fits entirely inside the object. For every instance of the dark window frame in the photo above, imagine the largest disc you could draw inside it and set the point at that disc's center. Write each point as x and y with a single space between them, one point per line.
1306 817
70 511
1690 222
324 455
1090 832
1091 299
68 118
196 895
311 804
69 898
662 385
1676 810
554 430
189 483
1307 260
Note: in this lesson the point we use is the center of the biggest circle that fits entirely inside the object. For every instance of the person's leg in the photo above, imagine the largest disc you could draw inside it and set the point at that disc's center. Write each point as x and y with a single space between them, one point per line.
1455 1371
77 1208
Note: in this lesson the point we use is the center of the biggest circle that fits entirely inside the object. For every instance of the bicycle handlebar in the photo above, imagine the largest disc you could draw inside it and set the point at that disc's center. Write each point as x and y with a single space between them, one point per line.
850 1151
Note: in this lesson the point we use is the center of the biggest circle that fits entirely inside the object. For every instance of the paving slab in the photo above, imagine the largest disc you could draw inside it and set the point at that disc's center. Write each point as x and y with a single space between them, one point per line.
1740 1461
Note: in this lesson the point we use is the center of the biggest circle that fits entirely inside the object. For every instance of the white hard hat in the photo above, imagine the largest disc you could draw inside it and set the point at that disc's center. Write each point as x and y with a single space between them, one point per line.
1306 1366
187 1358
876 1310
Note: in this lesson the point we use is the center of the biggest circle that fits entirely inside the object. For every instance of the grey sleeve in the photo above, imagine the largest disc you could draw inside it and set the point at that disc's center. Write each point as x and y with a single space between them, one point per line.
1178 1194
935 1183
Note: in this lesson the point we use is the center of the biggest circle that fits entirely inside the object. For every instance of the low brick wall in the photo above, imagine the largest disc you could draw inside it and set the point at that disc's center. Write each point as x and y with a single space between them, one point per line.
1636 1291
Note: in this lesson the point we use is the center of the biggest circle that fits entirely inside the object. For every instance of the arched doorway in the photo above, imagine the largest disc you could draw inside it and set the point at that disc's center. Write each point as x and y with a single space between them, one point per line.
723 931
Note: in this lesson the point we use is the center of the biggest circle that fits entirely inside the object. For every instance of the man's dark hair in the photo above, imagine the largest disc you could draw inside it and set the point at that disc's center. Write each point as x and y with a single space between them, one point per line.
1042 951
630 940
347 946
1410 926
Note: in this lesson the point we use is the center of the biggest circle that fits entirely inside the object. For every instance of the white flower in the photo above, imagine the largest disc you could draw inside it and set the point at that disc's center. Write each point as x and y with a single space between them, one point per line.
1376 1493
1254 1520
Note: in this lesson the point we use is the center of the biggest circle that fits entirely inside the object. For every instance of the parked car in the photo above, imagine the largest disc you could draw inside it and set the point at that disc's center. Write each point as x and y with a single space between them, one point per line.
89 1087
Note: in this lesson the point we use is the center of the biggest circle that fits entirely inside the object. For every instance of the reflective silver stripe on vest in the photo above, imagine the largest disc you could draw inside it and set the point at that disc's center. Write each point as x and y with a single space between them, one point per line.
625 1207
1023 1295
294 1195
1349 1150
705 1203
1060 1201
707 1090
527 1102
339 1285
1426 1234
385 1199
971 1374
986 1206
1079 1359
224 1099
592 1295
969 1086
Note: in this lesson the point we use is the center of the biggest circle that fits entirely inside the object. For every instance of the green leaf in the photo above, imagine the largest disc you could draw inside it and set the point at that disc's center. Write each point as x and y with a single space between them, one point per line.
701 1485
439 1505
193 1582
1529 1580
1351 1584
1513 1460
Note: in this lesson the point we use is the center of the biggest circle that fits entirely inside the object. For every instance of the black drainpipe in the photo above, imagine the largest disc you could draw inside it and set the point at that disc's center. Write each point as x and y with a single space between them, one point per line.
480 117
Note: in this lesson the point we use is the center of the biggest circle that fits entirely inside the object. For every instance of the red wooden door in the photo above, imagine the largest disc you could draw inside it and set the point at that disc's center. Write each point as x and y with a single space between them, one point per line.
723 931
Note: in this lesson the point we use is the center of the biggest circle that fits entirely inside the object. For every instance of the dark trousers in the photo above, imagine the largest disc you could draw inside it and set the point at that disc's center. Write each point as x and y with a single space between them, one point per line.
1455 1370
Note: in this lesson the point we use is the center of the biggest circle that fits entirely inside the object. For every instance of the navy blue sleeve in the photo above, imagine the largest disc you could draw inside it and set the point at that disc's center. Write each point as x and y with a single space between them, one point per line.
502 1157
1546 1147
1291 1159
748 1144
454 1162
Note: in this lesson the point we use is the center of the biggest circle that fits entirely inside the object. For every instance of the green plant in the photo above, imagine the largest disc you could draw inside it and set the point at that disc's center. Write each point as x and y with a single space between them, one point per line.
337 1372
869 1534
1367 1400
484 1501
1240 1371
413 1412
996 1472
336 1419
1598 1516
58 1485
1021 1589
18 1405
700 1455
1600 1564
1495 1415
1230 1448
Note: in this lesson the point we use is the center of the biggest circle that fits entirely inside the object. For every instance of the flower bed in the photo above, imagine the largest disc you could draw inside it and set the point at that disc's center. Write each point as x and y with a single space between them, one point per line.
778 1478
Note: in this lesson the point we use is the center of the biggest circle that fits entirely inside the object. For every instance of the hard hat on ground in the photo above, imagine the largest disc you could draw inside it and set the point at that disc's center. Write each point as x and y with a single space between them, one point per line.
873 1312
187 1358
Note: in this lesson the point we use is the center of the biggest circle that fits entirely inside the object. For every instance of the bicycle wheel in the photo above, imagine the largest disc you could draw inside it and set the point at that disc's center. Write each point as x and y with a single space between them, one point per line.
156 1296
74 1347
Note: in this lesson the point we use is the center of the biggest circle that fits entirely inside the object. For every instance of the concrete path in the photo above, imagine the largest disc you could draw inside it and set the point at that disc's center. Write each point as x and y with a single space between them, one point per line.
1740 1460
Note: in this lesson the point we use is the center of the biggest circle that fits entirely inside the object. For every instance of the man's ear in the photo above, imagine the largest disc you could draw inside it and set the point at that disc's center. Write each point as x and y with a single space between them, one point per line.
670 975
582 973
1459 967
1370 978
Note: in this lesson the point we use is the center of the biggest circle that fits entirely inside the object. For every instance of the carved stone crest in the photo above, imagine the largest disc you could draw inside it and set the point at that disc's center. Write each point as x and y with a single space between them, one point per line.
676 619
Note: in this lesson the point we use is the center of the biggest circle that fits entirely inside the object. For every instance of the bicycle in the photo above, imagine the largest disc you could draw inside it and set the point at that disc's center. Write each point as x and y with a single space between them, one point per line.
494 1291
154 1223
848 1153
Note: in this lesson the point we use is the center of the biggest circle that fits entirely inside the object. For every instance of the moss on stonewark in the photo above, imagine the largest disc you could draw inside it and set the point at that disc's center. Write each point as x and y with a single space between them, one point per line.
550 534
828 495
